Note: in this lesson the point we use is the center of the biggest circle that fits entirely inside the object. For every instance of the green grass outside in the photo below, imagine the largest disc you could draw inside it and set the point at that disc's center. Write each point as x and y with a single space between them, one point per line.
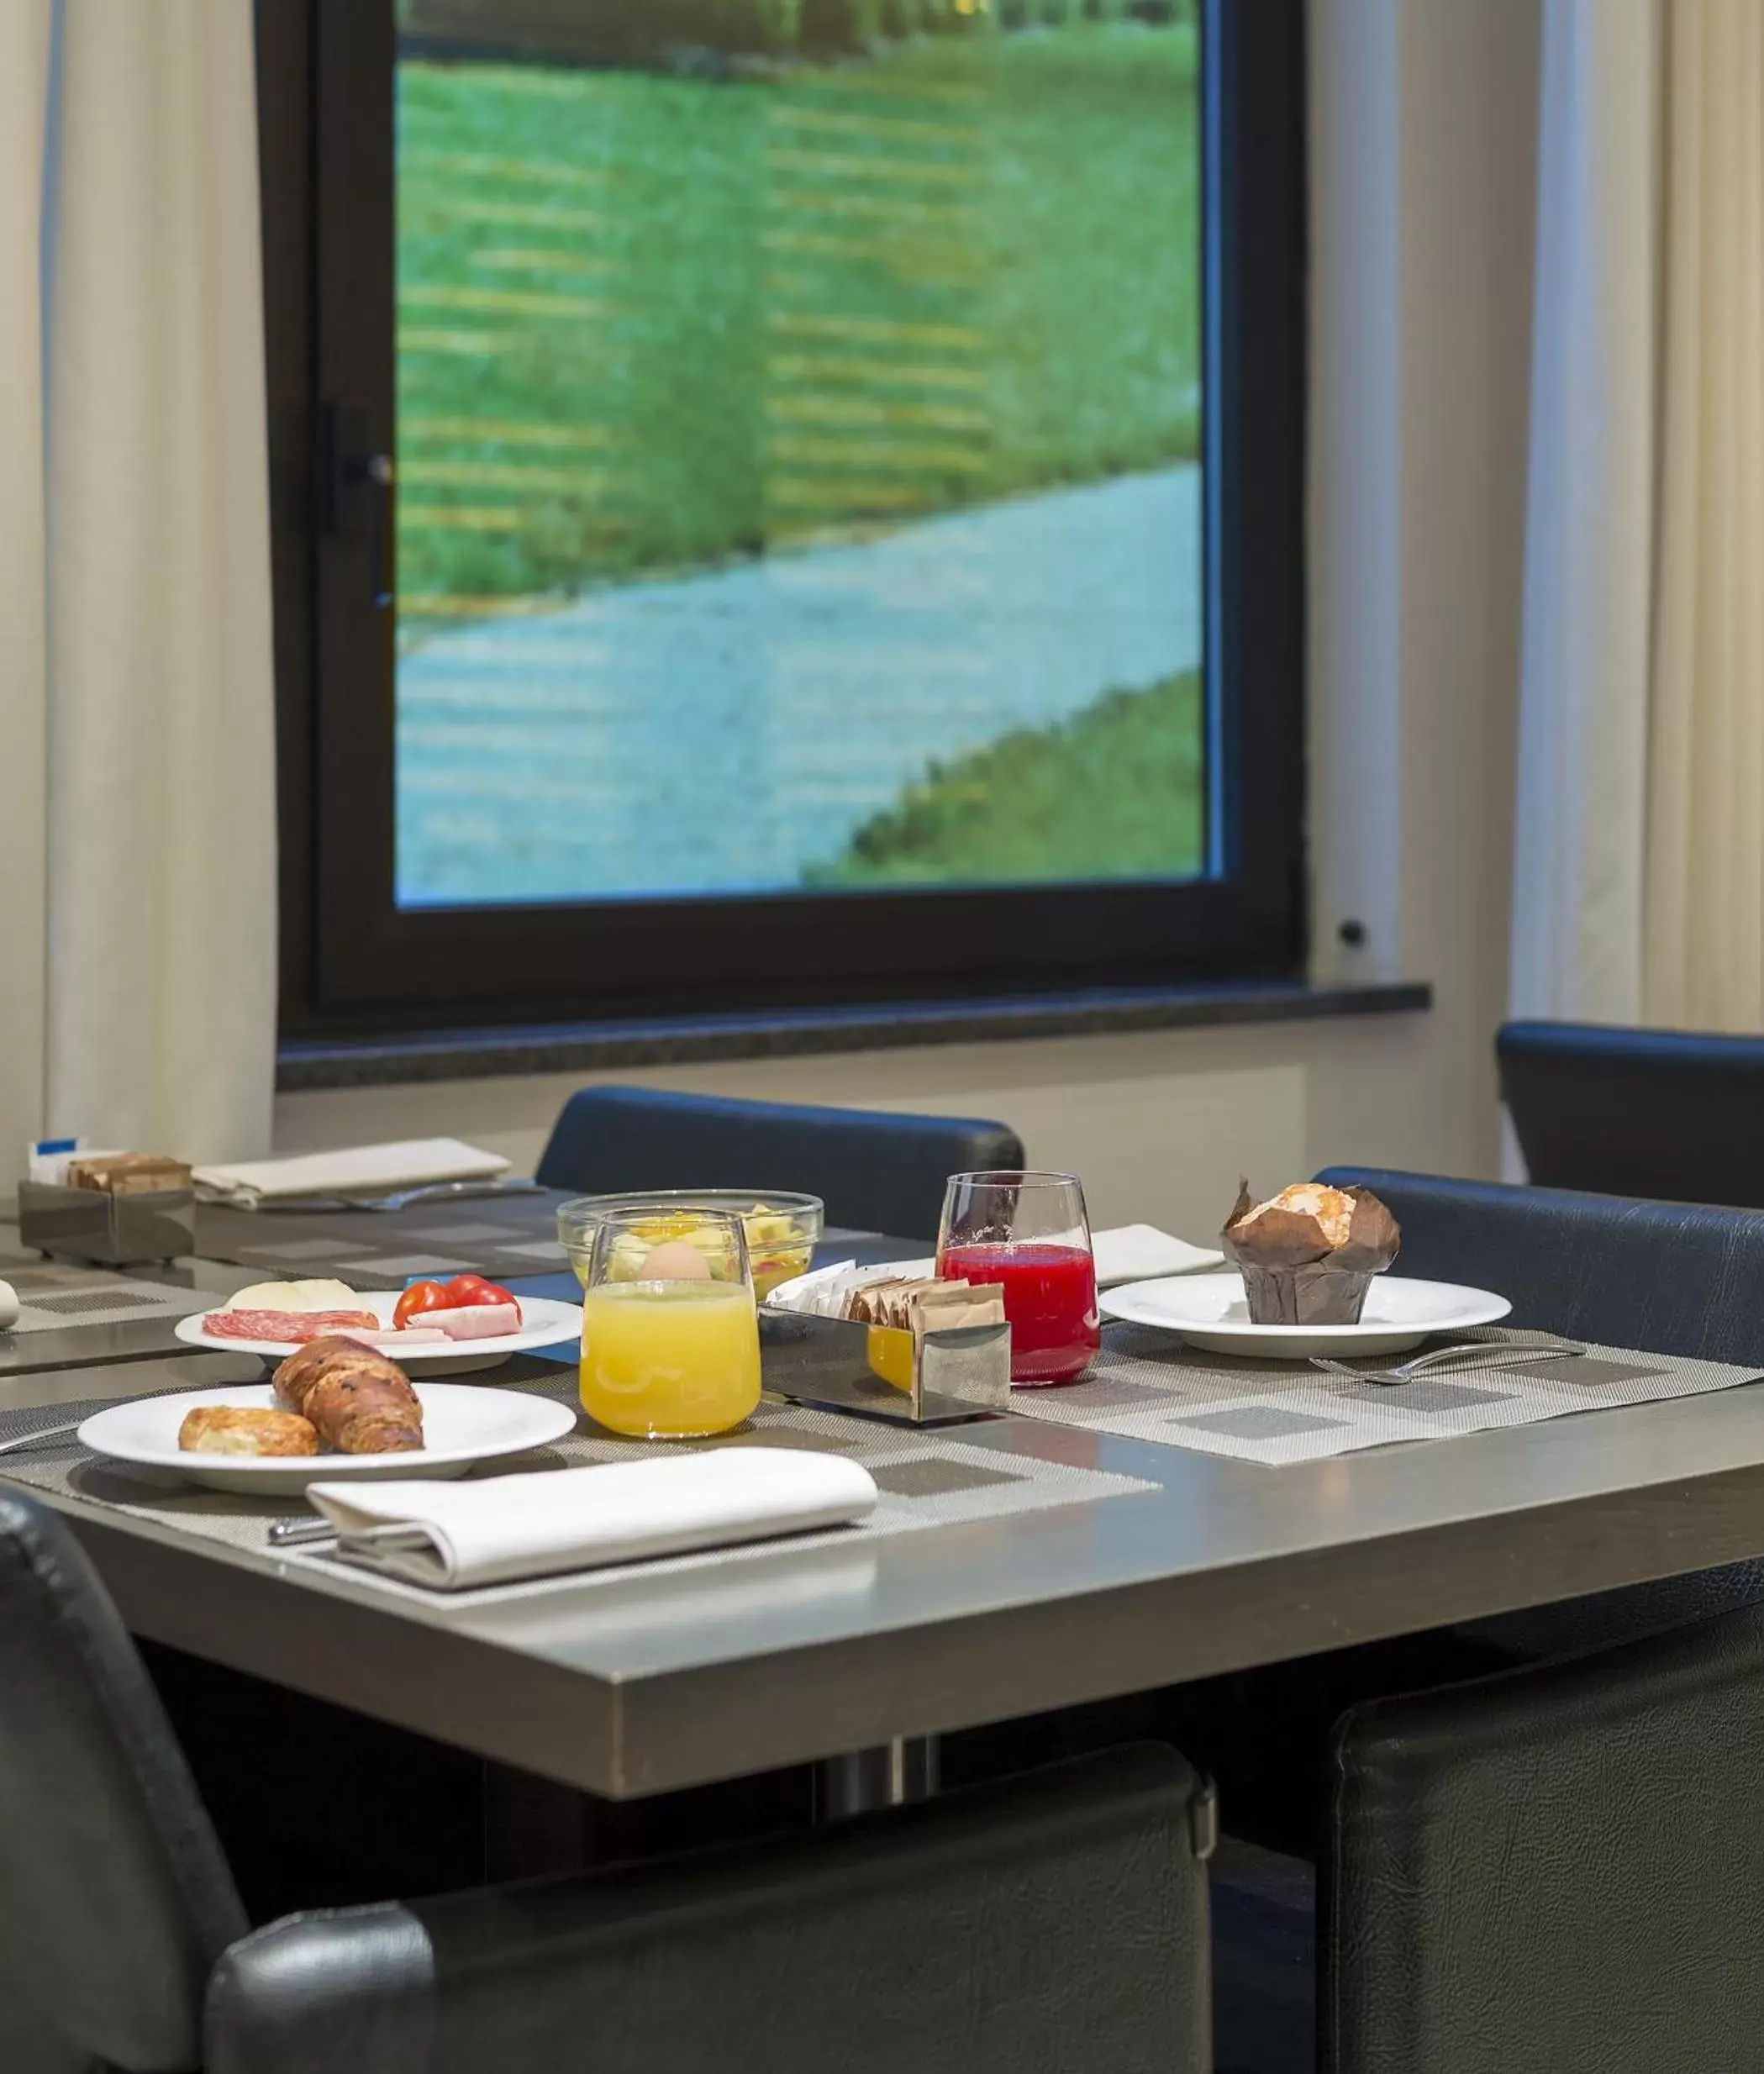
649 322
1114 792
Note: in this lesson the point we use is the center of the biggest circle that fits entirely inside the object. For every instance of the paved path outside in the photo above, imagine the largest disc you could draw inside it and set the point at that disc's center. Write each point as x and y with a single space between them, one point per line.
723 730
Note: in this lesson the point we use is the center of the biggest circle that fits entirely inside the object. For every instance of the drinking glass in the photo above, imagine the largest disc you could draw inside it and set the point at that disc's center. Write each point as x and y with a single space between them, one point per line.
670 1334
1030 1234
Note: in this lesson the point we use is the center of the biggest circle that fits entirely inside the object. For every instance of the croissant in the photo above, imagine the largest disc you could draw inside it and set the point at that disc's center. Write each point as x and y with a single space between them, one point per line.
361 1402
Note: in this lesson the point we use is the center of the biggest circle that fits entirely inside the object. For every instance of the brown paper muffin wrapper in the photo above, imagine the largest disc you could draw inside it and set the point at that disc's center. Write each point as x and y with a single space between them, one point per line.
1317 1295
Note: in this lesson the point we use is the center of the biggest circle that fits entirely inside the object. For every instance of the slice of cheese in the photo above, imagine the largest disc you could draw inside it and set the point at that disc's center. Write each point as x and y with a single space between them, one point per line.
294 1296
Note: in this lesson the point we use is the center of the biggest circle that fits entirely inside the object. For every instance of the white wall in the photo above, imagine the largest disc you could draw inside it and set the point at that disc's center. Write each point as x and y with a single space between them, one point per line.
1160 1125
1423 119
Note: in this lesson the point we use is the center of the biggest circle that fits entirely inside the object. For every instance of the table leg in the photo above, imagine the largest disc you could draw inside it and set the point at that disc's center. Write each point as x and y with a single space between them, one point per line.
534 1826
887 1775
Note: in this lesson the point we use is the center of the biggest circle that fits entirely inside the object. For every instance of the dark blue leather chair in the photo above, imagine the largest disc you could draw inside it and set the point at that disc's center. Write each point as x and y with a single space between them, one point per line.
1674 1278
1534 1835
1032 1927
1654 1113
874 1170
1670 1277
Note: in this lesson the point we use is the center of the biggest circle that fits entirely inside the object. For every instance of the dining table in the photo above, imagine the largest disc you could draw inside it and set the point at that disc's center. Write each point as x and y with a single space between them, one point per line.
1025 1566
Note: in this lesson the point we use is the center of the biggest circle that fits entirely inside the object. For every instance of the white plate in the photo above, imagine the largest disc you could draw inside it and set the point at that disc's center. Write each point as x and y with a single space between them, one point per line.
1210 1311
463 1424
544 1322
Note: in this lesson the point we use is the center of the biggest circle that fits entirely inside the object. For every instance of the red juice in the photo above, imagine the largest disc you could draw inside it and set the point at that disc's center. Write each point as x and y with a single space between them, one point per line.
1050 1299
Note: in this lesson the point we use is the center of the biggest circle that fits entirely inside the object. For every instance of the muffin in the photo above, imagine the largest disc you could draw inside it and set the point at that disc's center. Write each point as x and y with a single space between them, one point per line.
1308 1255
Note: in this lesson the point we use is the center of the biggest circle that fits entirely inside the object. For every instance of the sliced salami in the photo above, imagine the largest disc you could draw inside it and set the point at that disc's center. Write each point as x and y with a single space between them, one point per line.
286 1328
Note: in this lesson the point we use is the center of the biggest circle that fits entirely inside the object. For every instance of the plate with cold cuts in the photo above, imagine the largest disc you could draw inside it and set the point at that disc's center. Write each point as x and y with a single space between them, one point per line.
463 1424
1209 1311
543 1321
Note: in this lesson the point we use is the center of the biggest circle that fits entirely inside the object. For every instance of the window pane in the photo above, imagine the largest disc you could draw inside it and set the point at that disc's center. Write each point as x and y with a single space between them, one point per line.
798 436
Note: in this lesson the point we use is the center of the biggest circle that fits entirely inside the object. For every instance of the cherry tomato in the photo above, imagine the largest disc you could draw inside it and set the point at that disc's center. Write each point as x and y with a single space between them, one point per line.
474 1289
421 1297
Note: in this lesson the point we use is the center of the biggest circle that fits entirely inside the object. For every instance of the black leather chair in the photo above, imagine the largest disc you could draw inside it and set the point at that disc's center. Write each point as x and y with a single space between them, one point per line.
1652 1113
1053 1922
1558 1868
875 1170
1674 1278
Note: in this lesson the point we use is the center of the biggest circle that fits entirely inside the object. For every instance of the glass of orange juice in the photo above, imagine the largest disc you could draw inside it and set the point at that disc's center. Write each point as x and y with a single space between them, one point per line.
670 1351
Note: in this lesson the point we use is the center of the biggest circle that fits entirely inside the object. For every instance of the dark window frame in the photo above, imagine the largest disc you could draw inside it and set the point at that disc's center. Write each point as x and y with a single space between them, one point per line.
351 960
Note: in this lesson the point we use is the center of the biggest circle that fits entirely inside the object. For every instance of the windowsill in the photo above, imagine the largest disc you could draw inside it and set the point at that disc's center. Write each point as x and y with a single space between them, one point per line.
308 1063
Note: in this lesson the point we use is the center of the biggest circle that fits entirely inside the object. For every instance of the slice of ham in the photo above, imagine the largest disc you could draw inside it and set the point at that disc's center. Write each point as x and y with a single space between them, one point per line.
286 1328
476 1321
389 1339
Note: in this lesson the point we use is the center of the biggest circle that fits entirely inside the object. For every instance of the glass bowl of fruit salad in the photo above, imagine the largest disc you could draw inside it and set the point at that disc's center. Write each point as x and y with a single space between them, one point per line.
783 1229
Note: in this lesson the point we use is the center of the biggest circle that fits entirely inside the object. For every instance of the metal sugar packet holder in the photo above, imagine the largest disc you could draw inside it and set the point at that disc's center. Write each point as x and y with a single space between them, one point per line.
942 1377
116 1230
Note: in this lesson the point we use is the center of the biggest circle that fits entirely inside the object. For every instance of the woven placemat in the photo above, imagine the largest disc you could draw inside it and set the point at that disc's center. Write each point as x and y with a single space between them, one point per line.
925 1481
1146 1385
55 1297
501 1236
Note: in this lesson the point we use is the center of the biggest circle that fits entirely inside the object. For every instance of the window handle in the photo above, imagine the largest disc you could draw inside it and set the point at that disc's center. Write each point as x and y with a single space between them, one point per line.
357 478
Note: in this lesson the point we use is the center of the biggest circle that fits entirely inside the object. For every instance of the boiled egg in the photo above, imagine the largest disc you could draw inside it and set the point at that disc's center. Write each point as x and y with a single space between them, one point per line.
675 1261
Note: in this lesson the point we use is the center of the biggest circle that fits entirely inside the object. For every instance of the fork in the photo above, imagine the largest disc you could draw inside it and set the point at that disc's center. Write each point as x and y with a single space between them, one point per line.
1455 1361
292 1533
42 1433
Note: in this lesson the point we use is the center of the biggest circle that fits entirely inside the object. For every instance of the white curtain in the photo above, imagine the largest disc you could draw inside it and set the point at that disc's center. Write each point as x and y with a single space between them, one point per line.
137 903
1639 879
1704 962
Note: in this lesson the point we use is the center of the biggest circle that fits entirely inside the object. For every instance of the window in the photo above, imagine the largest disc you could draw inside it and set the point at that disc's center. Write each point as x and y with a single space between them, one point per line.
783 500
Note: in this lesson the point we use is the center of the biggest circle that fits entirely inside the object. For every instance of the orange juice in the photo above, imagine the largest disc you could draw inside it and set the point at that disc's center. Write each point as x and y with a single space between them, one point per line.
669 1360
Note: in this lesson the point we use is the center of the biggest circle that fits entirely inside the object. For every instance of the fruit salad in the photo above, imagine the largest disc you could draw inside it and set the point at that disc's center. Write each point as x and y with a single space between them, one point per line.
778 1246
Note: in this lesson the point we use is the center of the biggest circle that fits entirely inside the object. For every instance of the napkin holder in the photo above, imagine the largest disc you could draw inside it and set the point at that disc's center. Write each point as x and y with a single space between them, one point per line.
114 1230
878 1371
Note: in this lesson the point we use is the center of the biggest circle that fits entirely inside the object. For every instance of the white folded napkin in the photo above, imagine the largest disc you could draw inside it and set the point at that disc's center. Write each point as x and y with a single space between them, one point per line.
1141 1252
452 1536
357 1170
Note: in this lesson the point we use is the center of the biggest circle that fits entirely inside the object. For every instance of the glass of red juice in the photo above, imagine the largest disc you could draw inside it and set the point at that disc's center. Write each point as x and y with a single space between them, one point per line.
1030 1234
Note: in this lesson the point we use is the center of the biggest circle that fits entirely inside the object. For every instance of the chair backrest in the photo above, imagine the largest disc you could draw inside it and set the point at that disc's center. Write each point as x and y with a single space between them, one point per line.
1055 1923
114 1898
875 1170
1672 1278
1561 1867
1668 1277
1637 1112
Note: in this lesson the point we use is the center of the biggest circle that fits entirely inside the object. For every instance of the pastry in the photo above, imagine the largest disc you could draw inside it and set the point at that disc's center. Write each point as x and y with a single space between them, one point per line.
361 1403
225 1429
1308 1255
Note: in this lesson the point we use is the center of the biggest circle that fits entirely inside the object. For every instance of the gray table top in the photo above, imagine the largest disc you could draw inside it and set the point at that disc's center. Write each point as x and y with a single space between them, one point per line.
368 1249
85 1342
662 1680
